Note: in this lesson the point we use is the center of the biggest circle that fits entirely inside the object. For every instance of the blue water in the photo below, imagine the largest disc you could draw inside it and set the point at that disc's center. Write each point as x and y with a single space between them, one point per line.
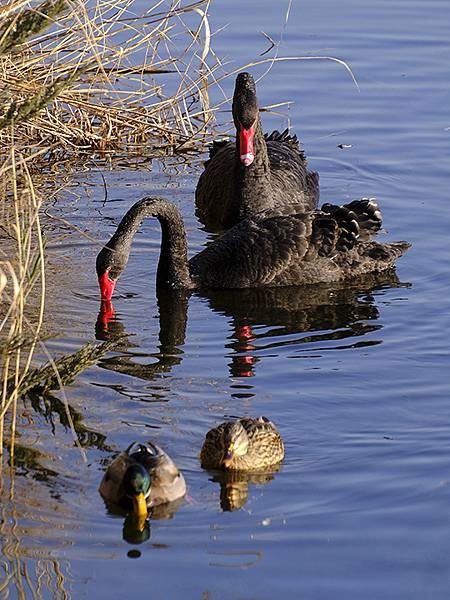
356 378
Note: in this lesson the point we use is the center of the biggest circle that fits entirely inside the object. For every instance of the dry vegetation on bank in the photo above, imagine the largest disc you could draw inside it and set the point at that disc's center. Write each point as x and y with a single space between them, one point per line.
81 80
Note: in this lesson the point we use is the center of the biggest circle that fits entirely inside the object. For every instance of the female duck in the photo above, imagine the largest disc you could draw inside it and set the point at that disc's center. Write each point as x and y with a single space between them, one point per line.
243 445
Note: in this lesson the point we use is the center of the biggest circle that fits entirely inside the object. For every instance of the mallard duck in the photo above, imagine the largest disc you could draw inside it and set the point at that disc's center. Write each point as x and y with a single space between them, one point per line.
243 445
142 476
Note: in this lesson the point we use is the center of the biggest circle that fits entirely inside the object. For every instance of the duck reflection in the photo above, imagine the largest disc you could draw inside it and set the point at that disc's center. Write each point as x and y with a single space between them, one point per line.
157 513
318 314
136 528
234 486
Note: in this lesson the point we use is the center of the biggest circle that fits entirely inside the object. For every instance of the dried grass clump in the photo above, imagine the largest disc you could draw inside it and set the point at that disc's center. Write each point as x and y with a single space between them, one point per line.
87 77
80 78
22 274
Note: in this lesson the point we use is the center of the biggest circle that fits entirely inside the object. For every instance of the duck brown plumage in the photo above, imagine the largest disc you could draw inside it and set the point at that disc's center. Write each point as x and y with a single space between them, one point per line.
277 247
242 445
256 172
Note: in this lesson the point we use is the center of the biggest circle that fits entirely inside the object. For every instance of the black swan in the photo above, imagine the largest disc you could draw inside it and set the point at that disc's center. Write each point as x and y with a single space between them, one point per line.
277 247
255 173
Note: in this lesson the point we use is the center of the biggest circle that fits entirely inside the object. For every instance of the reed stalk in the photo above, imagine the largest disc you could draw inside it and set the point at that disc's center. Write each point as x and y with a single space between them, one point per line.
79 79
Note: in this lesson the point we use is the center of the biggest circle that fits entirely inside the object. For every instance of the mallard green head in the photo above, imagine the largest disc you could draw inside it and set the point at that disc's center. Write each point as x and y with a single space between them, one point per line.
235 443
136 483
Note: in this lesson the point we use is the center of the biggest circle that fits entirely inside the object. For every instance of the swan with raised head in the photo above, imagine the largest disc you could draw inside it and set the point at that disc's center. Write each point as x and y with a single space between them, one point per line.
255 173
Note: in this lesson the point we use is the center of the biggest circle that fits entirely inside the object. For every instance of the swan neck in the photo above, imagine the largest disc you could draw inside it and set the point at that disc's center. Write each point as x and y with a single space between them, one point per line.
173 266
173 269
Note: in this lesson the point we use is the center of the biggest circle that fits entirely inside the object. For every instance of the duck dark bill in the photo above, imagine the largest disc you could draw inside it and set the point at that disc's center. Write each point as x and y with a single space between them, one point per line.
227 459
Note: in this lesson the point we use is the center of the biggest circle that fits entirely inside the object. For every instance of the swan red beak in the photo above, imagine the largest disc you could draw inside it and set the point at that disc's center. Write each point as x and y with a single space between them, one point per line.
106 285
246 150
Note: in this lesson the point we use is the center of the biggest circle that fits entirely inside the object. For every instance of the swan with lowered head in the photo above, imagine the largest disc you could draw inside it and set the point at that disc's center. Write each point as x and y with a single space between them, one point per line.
277 247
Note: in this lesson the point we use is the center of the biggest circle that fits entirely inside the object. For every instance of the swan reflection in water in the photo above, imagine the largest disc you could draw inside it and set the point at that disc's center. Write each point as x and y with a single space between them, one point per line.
316 314
325 313
172 307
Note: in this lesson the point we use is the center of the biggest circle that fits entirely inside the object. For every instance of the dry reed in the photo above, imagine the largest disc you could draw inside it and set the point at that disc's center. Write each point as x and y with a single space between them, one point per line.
101 68
80 78
77 79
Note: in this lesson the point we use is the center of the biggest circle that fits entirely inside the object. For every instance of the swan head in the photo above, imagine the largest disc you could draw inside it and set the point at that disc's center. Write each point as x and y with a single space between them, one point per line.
109 266
235 443
245 115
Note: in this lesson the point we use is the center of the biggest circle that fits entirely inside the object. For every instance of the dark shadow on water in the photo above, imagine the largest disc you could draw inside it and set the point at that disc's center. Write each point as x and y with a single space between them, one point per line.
314 315
29 462
52 408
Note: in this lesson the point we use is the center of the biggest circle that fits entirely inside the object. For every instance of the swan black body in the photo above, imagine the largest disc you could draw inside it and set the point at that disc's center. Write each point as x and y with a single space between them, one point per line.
255 173
276 247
